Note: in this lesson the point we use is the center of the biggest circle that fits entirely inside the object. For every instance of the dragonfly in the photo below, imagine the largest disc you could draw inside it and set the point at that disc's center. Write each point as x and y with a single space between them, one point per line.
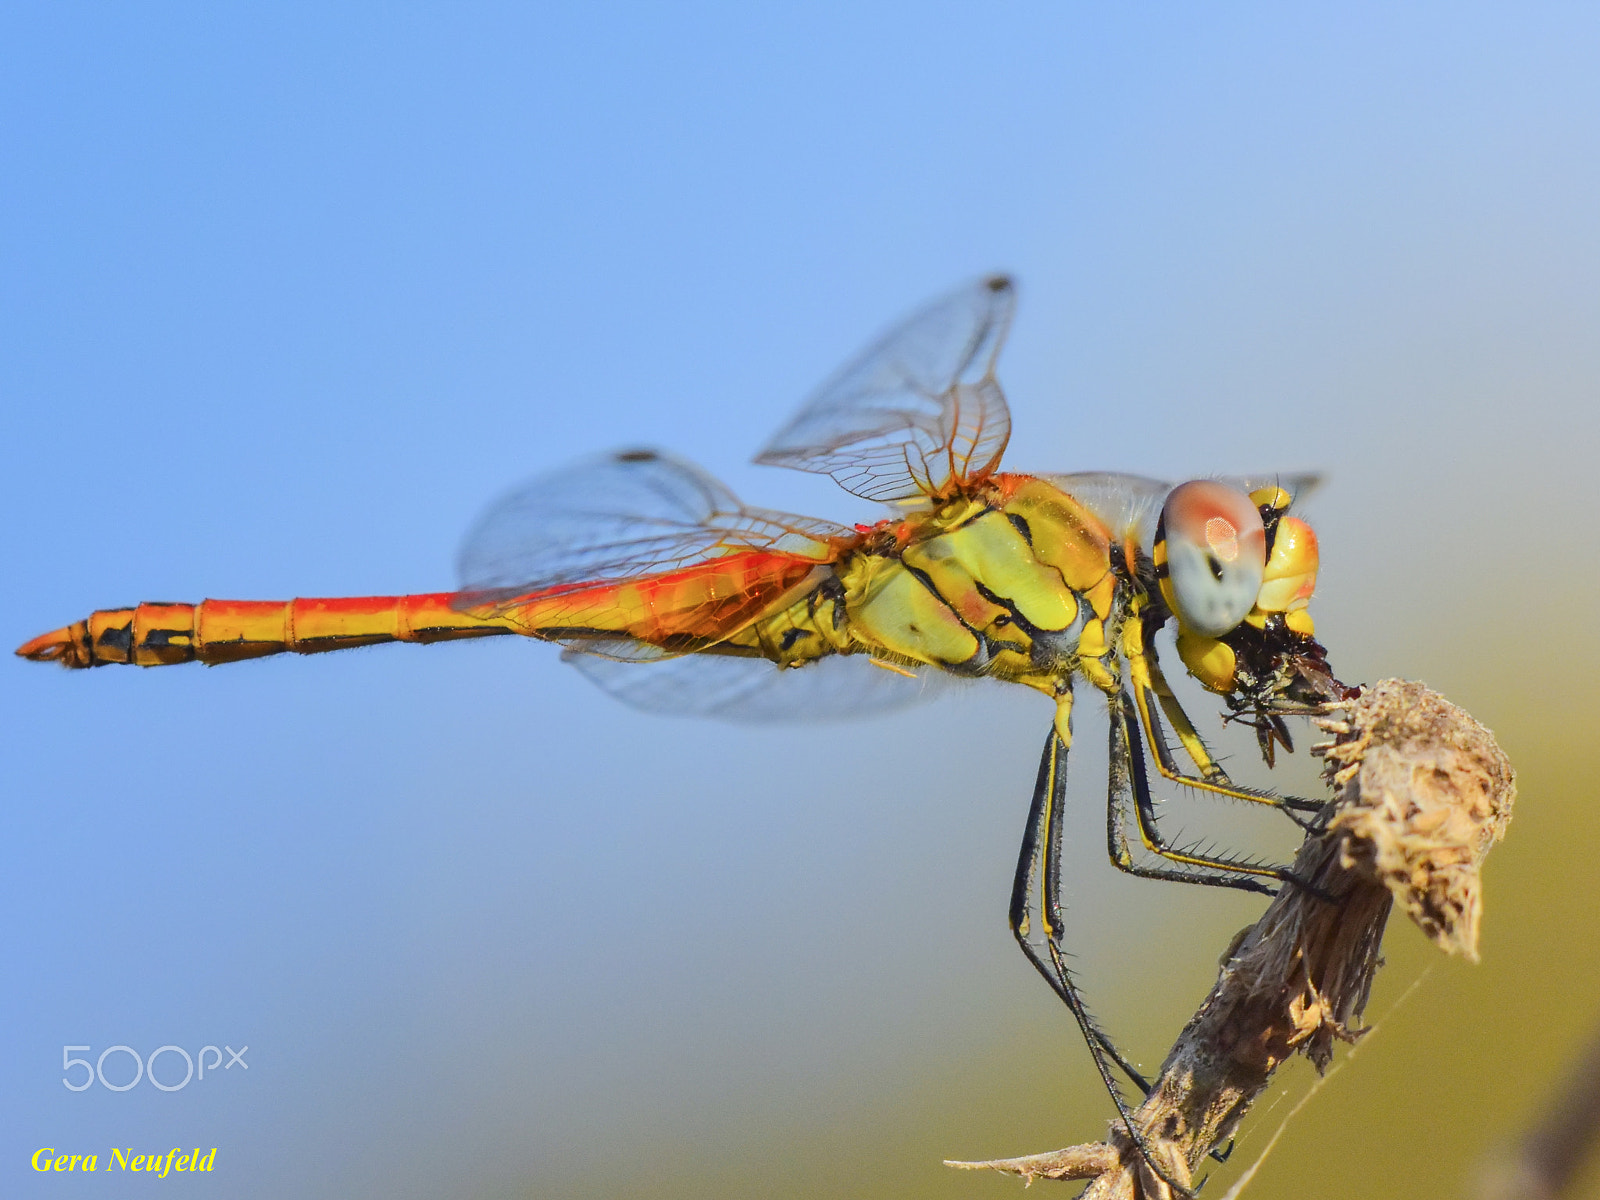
671 594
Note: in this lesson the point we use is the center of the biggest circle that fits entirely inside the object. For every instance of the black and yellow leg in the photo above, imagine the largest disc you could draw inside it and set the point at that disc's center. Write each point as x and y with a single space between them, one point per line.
1036 889
1129 782
1036 917
1150 690
1301 811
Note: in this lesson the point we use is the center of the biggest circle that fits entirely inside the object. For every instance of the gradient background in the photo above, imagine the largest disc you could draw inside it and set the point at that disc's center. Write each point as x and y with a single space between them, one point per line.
287 297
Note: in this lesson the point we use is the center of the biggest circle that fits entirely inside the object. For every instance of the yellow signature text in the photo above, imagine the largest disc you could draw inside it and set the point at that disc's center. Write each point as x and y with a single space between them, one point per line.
45 1158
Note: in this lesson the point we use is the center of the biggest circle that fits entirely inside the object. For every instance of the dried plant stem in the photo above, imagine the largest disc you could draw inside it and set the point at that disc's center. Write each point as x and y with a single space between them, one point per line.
1421 792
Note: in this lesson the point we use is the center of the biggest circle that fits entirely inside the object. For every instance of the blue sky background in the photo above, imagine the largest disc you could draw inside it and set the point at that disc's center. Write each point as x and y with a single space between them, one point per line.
288 296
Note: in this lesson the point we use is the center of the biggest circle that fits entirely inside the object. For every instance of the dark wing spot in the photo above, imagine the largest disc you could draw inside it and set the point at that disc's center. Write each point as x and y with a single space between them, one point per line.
637 456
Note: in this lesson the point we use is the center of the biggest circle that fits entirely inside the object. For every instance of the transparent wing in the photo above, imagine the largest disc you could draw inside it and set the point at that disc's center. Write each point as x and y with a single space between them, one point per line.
1123 502
1133 502
920 412
620 516
753 689
1298 484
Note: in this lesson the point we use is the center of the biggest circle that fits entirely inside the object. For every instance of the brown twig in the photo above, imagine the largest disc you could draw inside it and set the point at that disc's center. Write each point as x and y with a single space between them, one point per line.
1421 791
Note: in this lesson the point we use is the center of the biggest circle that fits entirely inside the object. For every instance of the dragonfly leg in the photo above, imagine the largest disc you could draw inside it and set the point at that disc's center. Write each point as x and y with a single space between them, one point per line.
1036 910
1122 858
1130 785
1150 690
1213 778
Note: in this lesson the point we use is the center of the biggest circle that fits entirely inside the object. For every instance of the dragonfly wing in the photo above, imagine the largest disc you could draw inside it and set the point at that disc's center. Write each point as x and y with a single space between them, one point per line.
1298 484
1124 502
1133 502
620 516
641 548
752 689
918 412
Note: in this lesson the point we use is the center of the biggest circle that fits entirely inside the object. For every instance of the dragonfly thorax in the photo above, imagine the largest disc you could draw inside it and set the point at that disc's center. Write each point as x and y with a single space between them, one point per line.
1015 583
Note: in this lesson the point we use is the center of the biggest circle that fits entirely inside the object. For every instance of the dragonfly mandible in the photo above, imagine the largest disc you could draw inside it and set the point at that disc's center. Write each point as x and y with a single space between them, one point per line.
670 593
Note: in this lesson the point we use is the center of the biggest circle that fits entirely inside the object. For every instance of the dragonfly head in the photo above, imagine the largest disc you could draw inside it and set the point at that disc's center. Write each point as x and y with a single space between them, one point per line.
1238 573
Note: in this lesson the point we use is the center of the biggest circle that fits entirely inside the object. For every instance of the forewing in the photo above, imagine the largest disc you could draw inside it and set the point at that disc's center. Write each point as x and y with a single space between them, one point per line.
1124 502
621 516
753 689
918 413
1298 484
1133 502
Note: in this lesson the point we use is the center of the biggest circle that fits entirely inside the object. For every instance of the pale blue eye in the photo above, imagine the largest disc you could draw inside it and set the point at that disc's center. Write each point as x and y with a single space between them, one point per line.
1216 556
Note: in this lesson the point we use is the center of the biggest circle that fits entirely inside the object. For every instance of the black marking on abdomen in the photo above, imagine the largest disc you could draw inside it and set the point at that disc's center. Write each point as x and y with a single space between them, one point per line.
119 638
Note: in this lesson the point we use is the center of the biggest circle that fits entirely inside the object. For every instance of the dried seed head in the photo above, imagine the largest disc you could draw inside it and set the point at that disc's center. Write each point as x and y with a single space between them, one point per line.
1423 792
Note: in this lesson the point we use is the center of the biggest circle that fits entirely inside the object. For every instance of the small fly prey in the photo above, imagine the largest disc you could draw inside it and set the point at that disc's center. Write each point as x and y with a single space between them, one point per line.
673 595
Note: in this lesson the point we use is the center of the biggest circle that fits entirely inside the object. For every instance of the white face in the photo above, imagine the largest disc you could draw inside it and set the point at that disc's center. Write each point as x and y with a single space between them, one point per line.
1216 555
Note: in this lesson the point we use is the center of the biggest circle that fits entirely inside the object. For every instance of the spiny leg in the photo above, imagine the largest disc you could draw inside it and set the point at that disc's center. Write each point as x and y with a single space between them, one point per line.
1124 769
1039 865
1128 775
1127 780
1292 807
1149 683
1045 817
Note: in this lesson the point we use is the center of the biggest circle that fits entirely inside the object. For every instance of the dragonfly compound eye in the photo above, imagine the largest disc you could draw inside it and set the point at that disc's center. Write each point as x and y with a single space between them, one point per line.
1291 575
1214 548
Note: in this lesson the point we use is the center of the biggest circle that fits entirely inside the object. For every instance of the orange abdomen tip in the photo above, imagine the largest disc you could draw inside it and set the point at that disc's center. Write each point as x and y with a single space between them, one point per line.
67 646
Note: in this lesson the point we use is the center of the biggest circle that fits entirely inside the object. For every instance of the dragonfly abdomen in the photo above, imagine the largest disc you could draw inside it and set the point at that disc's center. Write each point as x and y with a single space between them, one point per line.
219 631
